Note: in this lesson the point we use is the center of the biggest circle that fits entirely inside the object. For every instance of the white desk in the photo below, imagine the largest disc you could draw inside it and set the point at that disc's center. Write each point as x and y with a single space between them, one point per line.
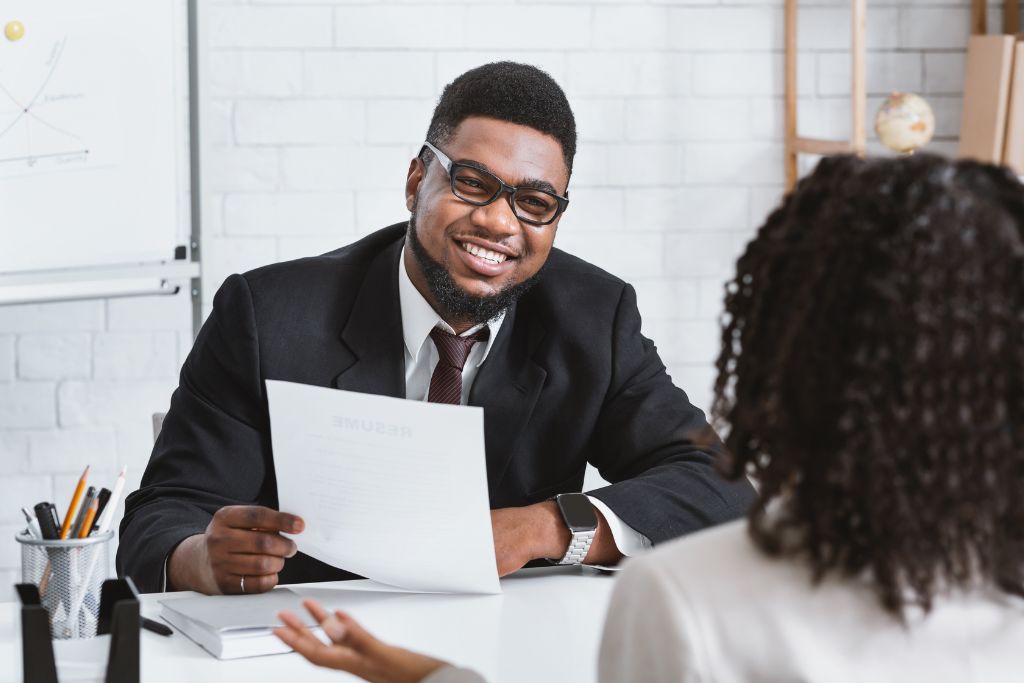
545 626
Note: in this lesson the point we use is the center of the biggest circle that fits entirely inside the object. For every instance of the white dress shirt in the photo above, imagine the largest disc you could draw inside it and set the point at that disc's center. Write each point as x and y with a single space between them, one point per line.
418 319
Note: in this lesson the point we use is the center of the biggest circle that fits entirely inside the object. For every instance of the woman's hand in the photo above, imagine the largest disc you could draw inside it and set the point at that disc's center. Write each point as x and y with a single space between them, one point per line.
353 649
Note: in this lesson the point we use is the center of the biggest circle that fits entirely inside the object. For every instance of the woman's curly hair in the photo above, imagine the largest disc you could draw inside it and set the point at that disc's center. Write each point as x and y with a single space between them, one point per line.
871 376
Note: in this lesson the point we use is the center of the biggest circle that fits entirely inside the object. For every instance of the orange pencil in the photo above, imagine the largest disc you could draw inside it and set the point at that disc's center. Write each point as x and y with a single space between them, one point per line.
90 517
69 516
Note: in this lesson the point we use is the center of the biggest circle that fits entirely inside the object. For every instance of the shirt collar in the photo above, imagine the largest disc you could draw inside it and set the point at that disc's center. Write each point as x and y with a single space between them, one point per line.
419 318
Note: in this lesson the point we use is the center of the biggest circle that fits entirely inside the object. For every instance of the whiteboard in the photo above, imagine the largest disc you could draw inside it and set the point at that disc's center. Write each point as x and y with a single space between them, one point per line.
93 133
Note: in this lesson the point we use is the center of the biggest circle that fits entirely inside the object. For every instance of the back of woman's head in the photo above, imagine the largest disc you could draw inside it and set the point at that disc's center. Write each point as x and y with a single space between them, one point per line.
872 375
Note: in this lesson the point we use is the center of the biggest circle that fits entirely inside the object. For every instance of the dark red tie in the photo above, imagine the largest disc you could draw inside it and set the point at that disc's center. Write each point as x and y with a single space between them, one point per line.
452 351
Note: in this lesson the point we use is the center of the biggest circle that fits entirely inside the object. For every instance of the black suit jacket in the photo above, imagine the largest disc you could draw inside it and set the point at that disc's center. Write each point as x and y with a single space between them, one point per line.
569 380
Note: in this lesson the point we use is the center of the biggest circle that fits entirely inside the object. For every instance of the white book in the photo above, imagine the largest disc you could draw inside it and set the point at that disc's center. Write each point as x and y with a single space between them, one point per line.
236 626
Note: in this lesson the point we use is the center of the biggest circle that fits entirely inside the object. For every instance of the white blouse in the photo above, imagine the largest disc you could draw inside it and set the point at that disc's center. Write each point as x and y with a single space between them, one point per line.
712 607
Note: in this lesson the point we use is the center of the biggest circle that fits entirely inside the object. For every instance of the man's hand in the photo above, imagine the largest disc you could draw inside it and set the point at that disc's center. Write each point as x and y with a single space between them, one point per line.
240 541
353 649
537 531
527 533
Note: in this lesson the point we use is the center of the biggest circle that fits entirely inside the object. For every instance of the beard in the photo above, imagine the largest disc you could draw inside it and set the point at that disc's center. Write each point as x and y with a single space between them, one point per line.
458 305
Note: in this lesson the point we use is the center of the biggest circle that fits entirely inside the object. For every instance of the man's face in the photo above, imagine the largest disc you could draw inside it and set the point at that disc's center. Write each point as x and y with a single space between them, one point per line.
447 228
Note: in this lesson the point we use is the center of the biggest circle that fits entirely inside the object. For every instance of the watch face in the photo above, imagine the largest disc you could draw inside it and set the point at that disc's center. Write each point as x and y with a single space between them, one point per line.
577 511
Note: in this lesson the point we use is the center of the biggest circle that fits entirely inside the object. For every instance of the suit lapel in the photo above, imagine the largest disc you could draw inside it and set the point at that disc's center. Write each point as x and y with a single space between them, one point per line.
507 387
373 333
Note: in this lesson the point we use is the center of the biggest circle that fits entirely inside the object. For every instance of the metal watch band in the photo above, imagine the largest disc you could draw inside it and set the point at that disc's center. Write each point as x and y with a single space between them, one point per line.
578 547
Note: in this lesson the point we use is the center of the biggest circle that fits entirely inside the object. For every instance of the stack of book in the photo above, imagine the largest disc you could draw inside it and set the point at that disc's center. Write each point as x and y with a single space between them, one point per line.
992 126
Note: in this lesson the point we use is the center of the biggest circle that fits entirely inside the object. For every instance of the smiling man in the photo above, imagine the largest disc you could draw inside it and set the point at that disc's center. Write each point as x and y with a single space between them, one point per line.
467 303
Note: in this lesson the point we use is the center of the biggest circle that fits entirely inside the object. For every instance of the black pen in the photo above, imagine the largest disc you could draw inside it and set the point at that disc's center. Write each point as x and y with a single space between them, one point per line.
46 515
103 497
156 627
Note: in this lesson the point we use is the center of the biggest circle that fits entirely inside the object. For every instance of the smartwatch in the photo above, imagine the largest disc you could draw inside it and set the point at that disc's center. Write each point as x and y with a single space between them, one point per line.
578 514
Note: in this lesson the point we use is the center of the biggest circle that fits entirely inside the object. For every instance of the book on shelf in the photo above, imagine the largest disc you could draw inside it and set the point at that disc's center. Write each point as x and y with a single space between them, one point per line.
987 79
1013 147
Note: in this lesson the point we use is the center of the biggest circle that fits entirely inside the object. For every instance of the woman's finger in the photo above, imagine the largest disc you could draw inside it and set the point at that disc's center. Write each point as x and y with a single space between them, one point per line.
356 636
332 656
286 634
302 634
334 629
360 653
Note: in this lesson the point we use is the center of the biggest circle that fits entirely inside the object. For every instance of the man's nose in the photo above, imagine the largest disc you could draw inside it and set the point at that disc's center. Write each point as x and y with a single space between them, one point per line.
497 218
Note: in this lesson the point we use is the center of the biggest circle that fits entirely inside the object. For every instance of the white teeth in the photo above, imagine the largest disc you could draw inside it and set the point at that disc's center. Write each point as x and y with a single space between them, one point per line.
485 254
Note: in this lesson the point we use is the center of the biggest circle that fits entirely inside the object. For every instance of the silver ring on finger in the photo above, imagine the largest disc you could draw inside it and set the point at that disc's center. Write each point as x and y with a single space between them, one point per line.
242 583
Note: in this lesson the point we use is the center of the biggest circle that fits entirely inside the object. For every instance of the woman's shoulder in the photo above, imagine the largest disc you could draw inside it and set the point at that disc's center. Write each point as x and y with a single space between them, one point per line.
724 546
718 566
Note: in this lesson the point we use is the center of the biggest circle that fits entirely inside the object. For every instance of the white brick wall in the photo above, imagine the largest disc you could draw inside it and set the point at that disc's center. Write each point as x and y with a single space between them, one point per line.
6 358
78 383
53 356
312 110
678 103
27 405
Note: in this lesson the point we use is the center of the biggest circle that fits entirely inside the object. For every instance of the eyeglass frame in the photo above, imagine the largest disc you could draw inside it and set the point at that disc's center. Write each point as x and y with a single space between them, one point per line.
503 187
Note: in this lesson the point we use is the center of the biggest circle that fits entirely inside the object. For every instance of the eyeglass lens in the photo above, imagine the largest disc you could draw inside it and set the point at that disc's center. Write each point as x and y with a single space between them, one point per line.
480 187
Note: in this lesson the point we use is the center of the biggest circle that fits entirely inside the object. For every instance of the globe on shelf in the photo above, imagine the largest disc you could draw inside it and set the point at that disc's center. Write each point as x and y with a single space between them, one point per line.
904 123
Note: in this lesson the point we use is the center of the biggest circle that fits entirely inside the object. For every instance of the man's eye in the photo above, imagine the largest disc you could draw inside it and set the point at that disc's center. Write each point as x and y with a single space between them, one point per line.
534 204
470 182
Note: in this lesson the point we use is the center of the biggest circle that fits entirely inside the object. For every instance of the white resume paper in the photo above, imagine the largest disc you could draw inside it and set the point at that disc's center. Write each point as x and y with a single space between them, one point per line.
390 489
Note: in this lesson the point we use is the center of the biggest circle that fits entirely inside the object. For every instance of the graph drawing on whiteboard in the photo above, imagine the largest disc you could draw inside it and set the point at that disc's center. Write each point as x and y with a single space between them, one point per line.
55 112
93 134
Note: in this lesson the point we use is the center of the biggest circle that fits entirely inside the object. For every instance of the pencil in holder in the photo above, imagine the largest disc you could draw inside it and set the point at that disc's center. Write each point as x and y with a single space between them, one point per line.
69 575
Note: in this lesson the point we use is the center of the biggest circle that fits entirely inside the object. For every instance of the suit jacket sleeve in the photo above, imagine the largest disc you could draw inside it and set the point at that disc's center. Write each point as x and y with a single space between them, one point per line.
655 446
212 450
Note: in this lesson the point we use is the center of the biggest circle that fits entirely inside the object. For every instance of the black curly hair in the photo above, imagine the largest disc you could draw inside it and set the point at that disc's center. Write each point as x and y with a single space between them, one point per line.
871 376
517 93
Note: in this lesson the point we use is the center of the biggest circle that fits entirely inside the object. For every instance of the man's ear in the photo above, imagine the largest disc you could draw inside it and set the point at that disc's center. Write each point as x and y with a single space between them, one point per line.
412 181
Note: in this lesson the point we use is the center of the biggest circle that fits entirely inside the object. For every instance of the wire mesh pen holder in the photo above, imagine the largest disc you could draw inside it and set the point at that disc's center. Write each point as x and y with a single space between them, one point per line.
69 575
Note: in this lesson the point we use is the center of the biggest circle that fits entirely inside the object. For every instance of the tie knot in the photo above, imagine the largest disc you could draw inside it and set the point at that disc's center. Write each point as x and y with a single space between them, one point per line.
454 350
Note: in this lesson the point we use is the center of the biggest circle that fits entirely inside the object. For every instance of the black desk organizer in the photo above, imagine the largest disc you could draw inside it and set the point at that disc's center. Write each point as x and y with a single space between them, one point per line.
119 616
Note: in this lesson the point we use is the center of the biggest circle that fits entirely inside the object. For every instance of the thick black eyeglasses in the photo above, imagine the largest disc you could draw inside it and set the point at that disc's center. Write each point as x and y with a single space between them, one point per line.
479 187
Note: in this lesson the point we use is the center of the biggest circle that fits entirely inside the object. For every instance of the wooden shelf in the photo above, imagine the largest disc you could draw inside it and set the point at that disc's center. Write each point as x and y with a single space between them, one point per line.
979 20
796 145
821 147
